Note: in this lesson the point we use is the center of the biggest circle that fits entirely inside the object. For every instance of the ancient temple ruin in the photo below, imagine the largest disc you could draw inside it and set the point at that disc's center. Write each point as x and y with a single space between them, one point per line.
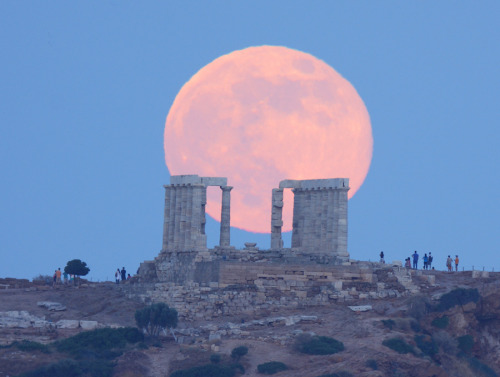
184 217
319 214
316 270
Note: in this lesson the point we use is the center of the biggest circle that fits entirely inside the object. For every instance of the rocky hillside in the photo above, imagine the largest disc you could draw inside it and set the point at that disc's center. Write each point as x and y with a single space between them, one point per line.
433 333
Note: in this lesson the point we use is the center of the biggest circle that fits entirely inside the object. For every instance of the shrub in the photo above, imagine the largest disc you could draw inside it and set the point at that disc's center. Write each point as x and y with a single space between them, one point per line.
215 358
29 346
459 296
156 317
142 346
43 280
271 367
418 306
99 343
371 363
445 342
441 322
319 345
426 345
64 368
465 343
398 345
389 323
209 370
239 352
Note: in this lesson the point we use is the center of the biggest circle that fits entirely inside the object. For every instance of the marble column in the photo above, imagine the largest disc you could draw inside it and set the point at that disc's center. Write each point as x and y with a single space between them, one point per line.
277 219
166 218
225 217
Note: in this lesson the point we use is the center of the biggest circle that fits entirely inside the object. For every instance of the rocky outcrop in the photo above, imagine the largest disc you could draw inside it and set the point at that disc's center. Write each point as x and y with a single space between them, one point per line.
52 306
23 320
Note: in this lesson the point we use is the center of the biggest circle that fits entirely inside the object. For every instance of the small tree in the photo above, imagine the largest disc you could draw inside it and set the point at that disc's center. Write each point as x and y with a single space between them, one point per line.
156 317
76 267
238 352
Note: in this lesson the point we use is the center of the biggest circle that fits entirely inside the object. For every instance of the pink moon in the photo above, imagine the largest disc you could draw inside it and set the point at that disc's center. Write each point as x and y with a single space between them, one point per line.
261 115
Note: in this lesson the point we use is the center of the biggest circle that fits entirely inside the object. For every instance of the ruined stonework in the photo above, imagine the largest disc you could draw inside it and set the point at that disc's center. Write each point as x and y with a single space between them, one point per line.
316 270
184 216
319 216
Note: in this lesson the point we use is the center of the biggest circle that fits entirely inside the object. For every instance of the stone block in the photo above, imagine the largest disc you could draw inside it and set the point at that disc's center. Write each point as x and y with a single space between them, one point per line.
68 324
89 325
52 306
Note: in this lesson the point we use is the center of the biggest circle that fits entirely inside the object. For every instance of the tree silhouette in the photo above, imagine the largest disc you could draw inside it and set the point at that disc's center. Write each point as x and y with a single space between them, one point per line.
76 267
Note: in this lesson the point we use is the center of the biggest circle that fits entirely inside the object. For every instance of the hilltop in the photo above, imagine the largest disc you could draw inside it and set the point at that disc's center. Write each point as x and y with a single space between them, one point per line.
271 336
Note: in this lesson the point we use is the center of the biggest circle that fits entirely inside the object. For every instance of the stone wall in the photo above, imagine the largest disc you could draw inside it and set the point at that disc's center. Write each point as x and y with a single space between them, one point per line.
214 283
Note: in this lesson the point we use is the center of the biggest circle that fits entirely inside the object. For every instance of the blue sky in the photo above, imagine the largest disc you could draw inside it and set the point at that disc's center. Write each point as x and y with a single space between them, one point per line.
85 87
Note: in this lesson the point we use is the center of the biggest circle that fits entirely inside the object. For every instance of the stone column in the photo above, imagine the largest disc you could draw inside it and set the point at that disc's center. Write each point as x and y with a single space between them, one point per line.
166 218
342 223
277 219
225 217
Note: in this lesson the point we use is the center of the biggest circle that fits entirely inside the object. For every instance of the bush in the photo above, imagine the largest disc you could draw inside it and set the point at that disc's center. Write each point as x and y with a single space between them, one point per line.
215 358
465 343
426 345
319 345
459 296
239 352
371 363
209 370
398 345
64 368
389 323
441 322
156 317
28 346
271 367
99 343
43 280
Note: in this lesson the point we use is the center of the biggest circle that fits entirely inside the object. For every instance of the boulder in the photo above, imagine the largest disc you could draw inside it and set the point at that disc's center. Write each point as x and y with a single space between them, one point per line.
89 325
68 324
52 306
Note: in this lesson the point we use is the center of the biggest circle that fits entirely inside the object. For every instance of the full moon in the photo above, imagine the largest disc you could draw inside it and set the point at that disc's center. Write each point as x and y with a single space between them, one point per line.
261 115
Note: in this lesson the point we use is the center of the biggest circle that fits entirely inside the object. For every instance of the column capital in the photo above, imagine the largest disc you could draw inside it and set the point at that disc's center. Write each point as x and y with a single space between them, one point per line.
226 188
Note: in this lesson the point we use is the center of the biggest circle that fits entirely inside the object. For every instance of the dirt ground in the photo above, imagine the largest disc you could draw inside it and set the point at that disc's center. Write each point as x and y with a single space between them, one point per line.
361 332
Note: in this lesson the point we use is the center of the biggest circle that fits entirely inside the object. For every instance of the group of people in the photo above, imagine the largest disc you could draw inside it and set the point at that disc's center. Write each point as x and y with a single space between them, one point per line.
449 263
57 277
427 259
121 275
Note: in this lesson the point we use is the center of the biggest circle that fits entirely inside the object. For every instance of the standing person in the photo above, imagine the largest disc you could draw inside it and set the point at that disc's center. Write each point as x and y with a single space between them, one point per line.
58 276
448 263
415 260
54 278
426 261
65 275
408 263
456 262
429 261
118 275
382 260
124 274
